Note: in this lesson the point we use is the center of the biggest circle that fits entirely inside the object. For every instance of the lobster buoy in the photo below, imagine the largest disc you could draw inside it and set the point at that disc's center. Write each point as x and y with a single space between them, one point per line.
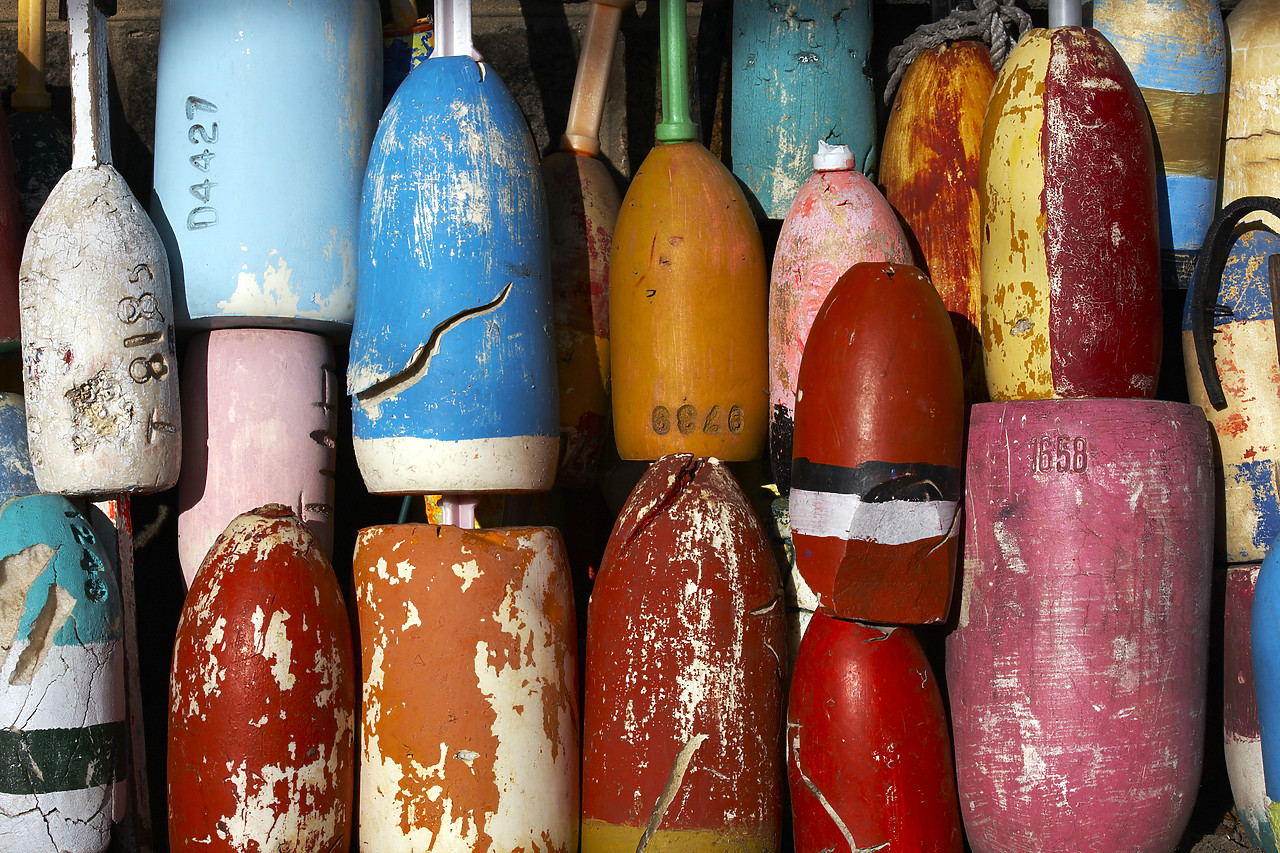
1077 670
931 176
685 652
452 372
470 743
64 735
875 489
838 219
16 479
868 751
1176 50
1071 303
799 72
1252 145
261 428
265 110
1241 736
98 349
262 696
687 294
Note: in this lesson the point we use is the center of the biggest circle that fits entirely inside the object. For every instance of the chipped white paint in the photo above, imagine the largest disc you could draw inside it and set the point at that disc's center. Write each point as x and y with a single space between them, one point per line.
847 516
464 465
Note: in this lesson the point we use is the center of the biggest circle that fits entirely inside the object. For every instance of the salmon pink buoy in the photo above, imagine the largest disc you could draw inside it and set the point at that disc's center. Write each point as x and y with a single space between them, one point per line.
1077 671
262 696
686 648
838 219
868 750
875 489
469 736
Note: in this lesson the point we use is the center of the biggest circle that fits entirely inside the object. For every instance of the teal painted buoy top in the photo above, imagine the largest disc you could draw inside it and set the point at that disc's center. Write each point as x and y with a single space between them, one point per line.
800 73
265 110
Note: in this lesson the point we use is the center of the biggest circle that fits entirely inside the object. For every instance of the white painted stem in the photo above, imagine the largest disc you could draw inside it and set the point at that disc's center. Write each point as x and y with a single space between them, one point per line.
90 127
453 28
1065 13
459 510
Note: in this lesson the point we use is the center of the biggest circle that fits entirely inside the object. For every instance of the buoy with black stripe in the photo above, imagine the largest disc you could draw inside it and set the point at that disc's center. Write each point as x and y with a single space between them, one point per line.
876 489
63 737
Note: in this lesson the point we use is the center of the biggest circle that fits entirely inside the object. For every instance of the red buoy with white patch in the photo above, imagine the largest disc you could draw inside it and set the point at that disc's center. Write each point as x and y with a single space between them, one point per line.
262 697
875 483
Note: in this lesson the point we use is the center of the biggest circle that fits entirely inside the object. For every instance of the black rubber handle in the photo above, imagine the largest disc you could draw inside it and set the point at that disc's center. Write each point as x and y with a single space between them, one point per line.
1208 280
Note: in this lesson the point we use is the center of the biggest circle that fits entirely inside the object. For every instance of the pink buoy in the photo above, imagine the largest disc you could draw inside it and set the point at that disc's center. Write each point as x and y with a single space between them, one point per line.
259 405
1077 672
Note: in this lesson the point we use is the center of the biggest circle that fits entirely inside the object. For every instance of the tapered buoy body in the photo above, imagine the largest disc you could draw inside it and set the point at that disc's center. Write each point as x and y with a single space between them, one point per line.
452 368
98 349
261 428
687 310
1241 735
868 751
931 175
1243 356
1077 670
799 72
62 775
470 711
838 219
875 489
262 696
265 110
685 651
1070 239
1176 50
16 479
1252 147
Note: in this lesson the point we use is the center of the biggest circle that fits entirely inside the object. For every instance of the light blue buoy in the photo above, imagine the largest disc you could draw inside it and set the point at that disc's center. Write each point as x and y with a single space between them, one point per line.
800 73
452 368
1265 631
16 478
265 110
63 737
1176 50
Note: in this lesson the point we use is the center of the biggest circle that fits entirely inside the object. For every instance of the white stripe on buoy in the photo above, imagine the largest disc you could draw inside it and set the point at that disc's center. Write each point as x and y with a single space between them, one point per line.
841 516
24 826
59 697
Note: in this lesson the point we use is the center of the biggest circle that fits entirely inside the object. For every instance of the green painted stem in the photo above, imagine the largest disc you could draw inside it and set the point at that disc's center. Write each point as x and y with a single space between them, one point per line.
676 125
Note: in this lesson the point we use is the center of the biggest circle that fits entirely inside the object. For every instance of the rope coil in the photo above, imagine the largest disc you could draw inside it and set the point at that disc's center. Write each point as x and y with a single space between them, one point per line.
991 21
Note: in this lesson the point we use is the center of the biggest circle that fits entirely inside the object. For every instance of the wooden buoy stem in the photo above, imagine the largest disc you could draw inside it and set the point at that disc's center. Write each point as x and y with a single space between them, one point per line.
453 28
90 130
676 125
30 94
585 110
1065 13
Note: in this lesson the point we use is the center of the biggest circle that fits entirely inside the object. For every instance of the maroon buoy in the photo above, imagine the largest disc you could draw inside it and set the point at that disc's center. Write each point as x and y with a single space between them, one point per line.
1077 670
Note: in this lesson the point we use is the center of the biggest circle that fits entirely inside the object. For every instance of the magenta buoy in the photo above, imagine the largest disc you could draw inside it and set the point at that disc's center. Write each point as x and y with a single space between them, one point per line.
260 404
1077 672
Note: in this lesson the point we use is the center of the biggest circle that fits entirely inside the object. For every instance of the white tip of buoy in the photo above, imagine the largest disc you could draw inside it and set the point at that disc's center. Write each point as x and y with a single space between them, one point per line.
832 158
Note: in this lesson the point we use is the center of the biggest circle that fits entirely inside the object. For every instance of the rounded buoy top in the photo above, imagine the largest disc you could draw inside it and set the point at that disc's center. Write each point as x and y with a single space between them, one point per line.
833 158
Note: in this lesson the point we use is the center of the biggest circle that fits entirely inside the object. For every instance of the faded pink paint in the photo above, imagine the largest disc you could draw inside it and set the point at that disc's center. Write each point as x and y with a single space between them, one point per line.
258 427
838 219
1077 671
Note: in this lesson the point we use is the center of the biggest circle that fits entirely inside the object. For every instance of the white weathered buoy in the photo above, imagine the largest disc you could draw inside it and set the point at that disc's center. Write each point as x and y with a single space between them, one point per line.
97 313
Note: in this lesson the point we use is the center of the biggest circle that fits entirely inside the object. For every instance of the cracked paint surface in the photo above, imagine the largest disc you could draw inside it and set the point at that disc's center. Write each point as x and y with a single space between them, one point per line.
262 697
684 672
246 389
452 351
470 717
280 210
838 219
1077 671
1251 153
868 749
62 730
800 72
688 299
932 177
876 489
